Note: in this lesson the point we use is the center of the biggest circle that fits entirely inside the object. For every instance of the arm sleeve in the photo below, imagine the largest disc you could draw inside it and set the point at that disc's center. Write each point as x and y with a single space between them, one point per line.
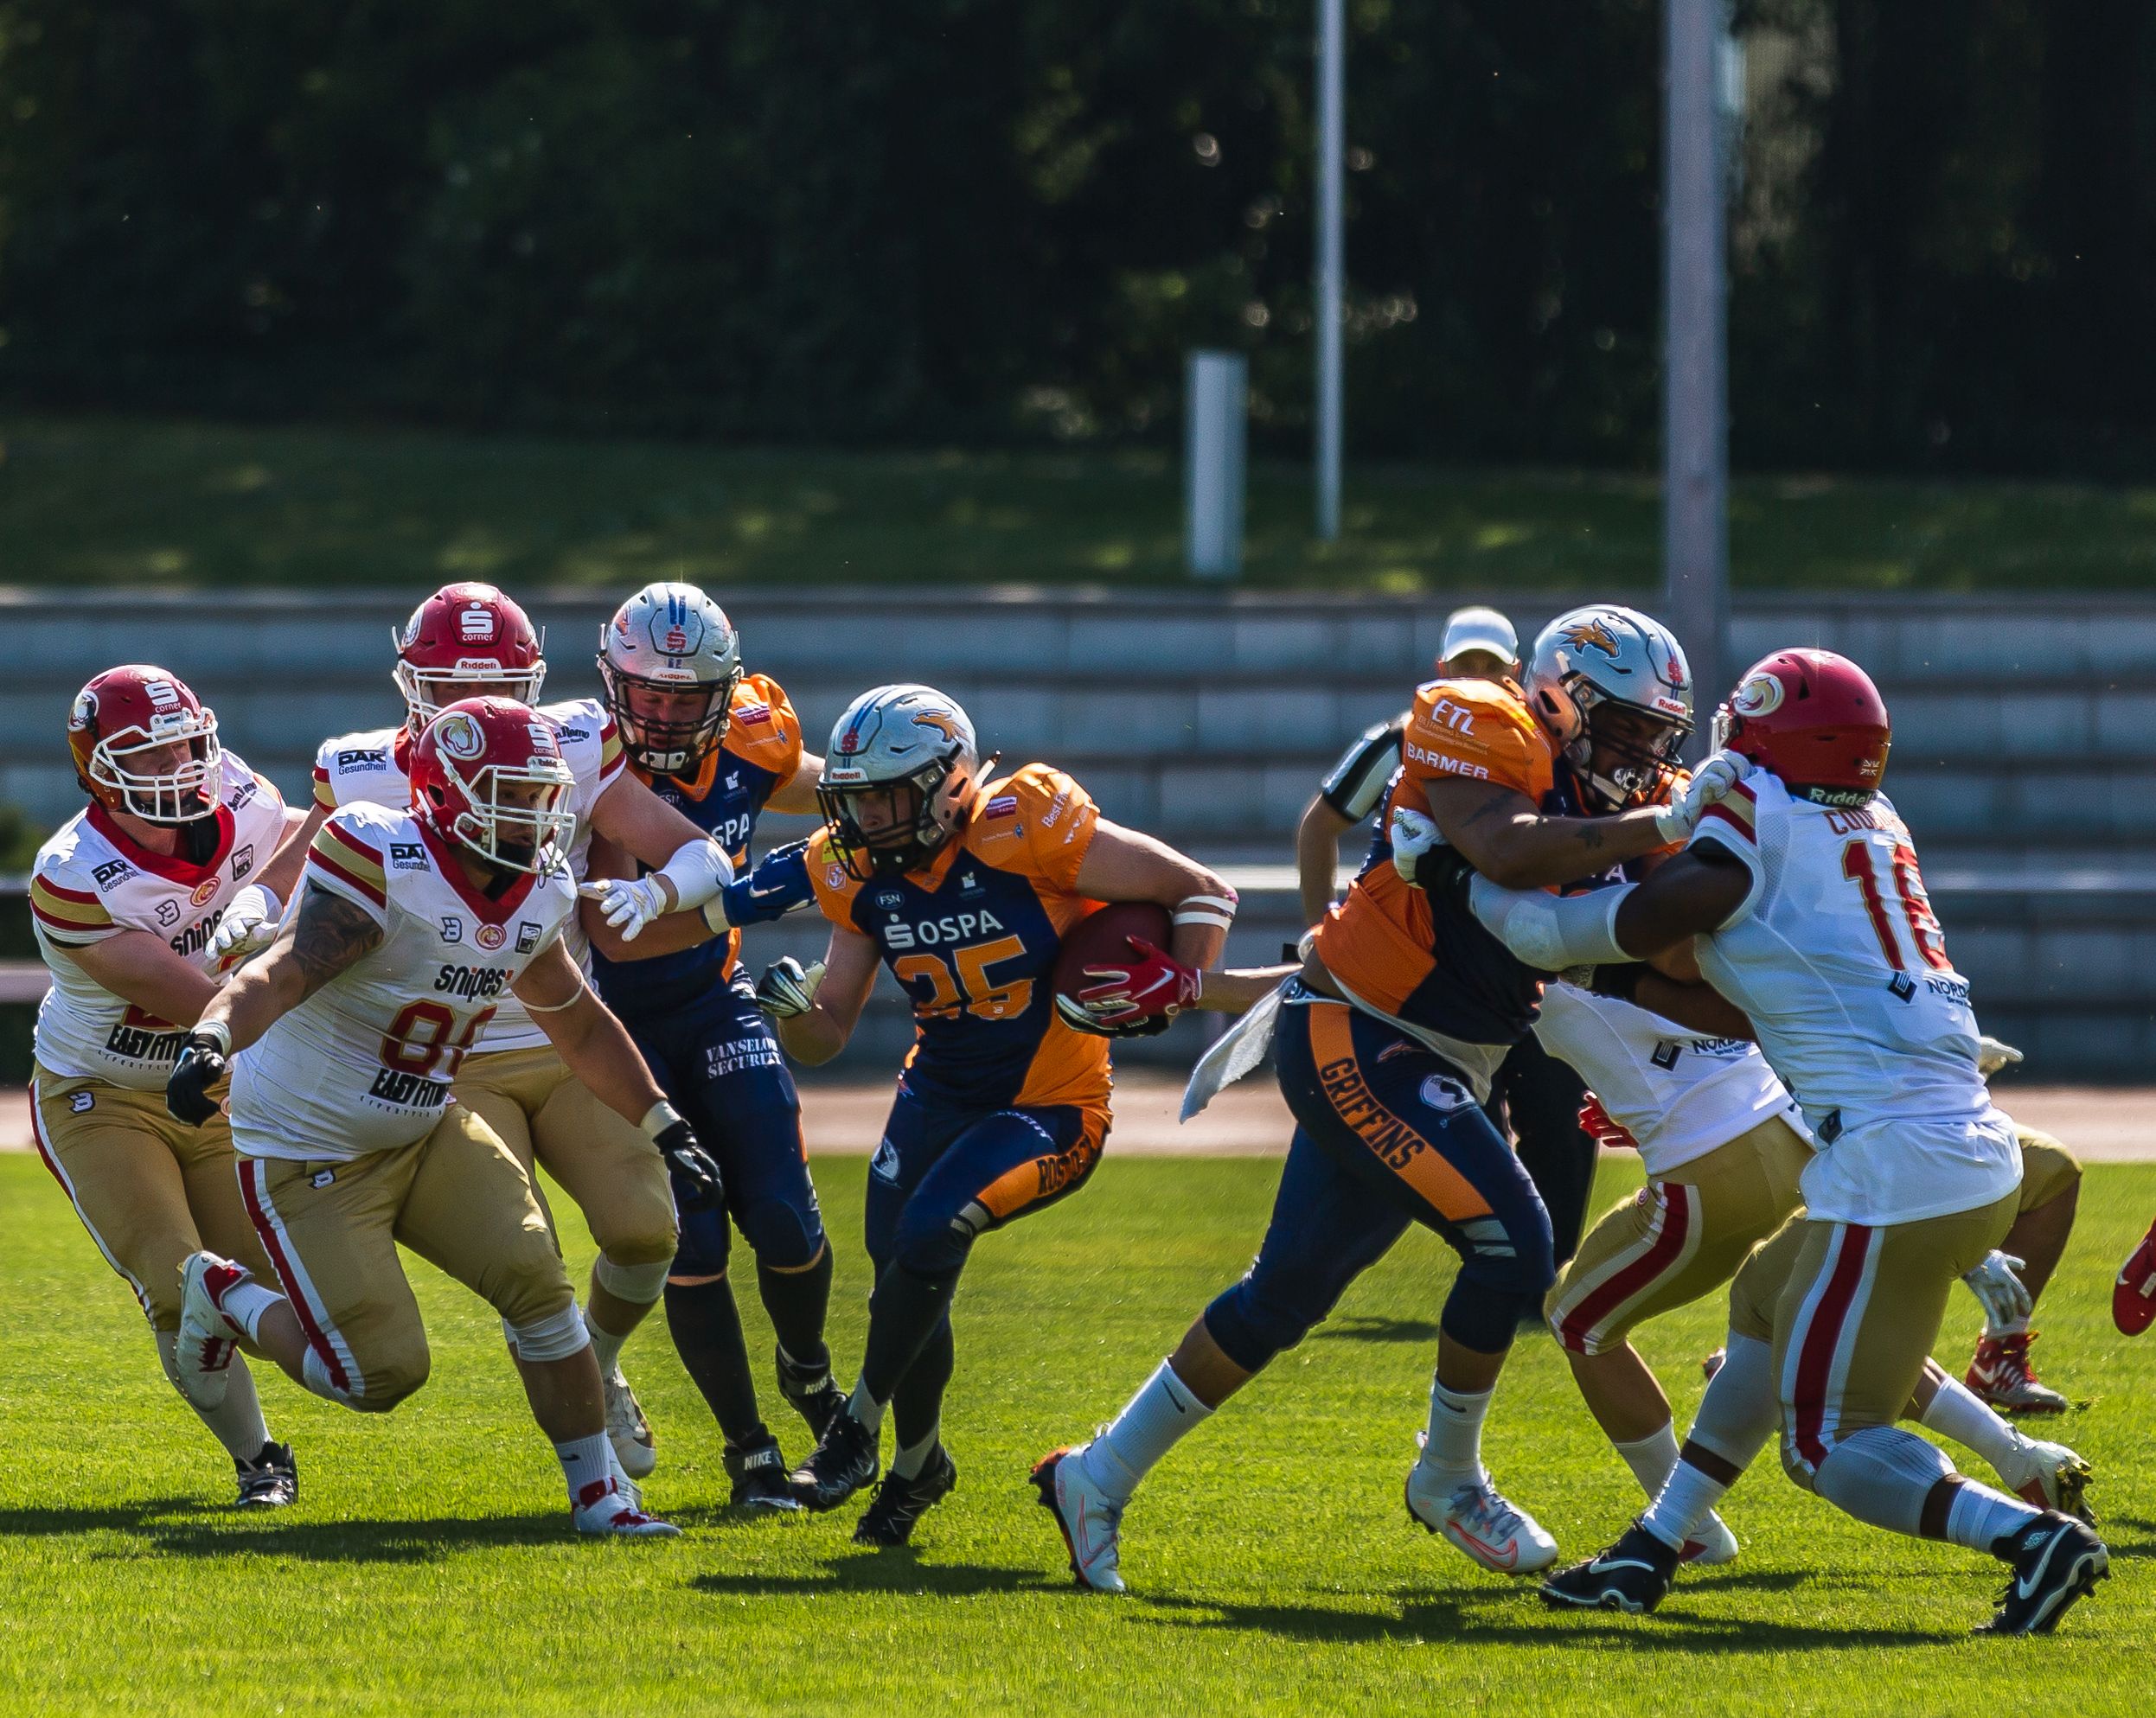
346 859
1355 786
67 913
1058 817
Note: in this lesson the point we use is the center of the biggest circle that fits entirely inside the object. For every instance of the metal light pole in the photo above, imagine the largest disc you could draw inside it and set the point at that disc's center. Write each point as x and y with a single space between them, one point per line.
1695 422
1331 149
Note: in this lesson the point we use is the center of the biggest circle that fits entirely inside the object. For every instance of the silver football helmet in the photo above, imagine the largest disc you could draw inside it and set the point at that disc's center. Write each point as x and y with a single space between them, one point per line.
897 778
670 660
1612 687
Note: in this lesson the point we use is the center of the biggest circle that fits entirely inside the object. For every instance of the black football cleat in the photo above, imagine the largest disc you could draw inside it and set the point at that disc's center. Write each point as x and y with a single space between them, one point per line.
842 1462
2057 1560
1634 1574
271 1481
816 1396
759 1473
889 1518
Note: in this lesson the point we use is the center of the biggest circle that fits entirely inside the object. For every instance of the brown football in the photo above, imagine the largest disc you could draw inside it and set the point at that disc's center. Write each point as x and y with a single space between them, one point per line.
1101 939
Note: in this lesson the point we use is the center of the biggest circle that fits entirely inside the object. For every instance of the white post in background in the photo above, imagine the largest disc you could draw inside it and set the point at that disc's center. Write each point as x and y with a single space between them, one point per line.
1332 152
1695 420
1216 404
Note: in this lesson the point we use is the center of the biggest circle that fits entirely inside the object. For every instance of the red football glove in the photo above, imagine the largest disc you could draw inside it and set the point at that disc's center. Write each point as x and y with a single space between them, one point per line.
1604 1129
1154 985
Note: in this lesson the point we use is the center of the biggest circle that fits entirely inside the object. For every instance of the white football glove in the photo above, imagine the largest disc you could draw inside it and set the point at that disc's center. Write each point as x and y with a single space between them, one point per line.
1992 1054
249 926
1413 834
2004 1297
787 989
1710 781
629 904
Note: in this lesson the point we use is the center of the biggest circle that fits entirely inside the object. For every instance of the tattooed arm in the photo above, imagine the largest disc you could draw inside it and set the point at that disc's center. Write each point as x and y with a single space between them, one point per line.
1500 832
327 935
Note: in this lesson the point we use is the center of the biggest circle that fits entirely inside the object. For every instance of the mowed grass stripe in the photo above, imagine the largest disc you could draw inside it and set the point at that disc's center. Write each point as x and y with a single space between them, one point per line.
429 1566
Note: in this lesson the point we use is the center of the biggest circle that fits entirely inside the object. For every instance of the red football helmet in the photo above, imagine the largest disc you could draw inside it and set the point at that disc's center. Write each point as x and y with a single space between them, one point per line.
489 772
461 639
1814 719
145 744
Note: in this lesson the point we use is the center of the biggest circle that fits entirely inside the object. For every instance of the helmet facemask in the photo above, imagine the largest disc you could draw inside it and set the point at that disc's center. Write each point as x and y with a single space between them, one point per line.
663 741
178 794
914 818
515 817
1623 754
428 691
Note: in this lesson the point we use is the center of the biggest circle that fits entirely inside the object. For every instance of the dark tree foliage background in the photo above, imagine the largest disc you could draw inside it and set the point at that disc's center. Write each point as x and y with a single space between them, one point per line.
999 220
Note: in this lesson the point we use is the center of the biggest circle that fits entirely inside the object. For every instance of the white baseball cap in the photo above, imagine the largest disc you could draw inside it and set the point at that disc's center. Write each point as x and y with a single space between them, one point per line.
1480 629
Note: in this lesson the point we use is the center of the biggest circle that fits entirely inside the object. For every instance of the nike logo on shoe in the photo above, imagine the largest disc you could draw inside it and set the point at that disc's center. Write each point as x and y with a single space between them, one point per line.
1503 1560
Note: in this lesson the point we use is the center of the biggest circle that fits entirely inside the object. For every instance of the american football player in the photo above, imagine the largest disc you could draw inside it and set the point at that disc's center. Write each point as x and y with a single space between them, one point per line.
1803 889
1534 1096
471 639
344 1042
722 746
142 904
1386 1042
2134 1295
965 891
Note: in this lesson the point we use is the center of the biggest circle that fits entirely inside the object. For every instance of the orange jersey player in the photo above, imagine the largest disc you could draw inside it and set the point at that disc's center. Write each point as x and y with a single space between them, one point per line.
966 892
1384 1048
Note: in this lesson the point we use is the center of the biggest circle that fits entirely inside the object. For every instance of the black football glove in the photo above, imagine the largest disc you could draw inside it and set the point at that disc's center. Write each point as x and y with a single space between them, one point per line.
202 1063
697 1181
1442 872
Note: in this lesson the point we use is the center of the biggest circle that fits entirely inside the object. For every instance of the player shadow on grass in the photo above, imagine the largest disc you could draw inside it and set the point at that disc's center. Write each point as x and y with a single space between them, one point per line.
1516 1618
892 1571
1371 1327
188 1527
2136 1548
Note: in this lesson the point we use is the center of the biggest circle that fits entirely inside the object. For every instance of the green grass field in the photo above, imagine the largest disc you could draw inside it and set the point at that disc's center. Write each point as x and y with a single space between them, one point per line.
101 501
429 1565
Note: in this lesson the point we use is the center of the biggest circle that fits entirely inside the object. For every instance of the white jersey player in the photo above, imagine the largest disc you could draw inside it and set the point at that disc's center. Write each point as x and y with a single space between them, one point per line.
140 904
346 1039
467 639
1803 890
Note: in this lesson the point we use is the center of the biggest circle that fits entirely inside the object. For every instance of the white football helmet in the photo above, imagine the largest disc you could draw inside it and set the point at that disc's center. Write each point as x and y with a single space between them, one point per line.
670 660
1612 687
900 772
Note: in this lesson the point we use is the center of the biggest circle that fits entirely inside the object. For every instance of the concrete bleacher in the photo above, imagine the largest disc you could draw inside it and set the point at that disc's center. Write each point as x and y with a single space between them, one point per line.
2025 757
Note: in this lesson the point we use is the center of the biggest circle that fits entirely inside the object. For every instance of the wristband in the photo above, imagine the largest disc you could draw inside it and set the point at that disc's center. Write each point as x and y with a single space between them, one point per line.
660 1116
1216 910
715 911
217 1032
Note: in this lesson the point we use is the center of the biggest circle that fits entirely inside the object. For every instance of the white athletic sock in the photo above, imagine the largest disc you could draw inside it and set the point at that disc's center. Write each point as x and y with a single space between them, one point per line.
1651 1459
235 1422
1980 1517
1453 1451
909 1461
245 1304
1686 1499
606 1345
1740 1410
1958 1412
583 1461
1149 1426
865 1407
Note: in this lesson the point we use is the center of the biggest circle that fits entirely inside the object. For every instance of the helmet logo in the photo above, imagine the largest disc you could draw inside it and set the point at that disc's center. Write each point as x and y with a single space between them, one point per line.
456 735
936 719
1758 696
679 633
1593 634
849 742
476 624
85 712
544 744
161 695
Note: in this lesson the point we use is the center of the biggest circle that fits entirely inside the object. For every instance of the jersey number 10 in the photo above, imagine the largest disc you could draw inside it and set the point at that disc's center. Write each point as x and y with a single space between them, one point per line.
1924 933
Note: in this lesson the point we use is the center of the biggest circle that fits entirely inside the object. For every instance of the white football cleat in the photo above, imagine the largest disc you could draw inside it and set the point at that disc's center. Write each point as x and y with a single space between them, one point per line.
1712 1543
2049 1477
1476 1519
630 1433
203 1358
601 1508
1091 1524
